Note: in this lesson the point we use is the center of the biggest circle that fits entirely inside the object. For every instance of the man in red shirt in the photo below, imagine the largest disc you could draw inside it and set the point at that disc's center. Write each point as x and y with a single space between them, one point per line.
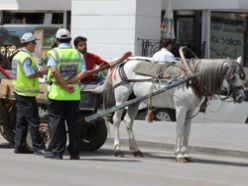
91 60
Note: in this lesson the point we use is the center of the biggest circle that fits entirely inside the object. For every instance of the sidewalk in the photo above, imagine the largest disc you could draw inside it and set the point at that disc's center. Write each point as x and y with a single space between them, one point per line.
224 139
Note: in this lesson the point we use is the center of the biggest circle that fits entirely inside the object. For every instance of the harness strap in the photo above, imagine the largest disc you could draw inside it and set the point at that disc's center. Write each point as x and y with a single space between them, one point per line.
125 80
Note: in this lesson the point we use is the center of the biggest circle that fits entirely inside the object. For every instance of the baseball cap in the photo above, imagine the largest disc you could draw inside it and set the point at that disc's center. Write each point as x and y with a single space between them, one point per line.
28 37
63 34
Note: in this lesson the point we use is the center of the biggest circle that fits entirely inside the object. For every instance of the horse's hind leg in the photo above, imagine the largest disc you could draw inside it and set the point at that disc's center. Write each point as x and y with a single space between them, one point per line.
129 120
117 122
121 96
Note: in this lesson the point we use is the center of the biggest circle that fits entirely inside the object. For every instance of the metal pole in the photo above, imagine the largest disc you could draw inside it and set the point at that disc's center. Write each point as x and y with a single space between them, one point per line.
138 99
65 19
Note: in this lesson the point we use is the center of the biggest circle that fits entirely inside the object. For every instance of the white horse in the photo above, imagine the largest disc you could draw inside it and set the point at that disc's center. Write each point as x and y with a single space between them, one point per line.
213 76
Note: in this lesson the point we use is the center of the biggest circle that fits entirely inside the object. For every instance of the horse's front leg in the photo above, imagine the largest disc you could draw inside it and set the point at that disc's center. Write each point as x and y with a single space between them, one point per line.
117 122
129 120
187 130
180 149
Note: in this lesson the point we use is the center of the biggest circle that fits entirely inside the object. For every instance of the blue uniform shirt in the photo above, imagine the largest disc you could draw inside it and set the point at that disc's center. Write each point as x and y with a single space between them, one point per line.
27 65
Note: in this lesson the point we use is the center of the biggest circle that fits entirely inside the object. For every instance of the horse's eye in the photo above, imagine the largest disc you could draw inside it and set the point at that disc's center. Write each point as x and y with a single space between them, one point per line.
230 76
242 76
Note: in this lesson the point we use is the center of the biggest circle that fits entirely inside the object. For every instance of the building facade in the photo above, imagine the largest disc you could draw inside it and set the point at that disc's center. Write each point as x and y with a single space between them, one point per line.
213 29
43 18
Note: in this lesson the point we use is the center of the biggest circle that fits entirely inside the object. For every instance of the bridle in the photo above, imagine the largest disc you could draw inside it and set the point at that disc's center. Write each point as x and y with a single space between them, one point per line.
230 78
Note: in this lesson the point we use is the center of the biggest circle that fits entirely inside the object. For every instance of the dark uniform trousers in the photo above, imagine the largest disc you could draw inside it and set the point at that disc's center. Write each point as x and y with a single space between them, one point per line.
27 118
60 114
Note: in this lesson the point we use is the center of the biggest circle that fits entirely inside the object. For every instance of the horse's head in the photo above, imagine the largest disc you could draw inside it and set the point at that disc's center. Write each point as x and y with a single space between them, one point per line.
234 76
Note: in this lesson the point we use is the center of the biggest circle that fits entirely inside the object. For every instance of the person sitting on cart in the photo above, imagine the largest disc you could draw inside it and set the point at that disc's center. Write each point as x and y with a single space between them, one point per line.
91 60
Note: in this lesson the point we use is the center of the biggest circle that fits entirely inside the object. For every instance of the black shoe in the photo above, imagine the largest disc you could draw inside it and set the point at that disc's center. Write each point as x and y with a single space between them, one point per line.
50 155
74 158
23 151
40 152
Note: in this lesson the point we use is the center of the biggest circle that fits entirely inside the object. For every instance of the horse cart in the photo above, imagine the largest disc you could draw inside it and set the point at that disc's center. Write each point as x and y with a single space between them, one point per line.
93 112
93 134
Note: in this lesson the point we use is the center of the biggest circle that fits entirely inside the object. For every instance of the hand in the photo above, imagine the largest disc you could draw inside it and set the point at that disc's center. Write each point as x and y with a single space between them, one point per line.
126 55
40 74
69 88
44 70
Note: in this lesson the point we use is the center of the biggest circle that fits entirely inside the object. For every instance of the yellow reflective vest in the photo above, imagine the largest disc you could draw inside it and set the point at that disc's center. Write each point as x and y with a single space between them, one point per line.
69 64
22 84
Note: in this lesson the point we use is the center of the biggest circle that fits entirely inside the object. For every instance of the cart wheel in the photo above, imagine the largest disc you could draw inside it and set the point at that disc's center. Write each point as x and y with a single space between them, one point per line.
93 136
7 123
7 127
8 133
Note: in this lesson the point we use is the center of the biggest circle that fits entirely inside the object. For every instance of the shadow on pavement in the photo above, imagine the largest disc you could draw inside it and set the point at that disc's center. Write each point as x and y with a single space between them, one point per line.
6 146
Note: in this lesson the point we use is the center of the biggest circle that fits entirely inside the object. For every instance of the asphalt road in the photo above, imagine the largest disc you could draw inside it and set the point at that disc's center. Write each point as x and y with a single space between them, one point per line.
102 168
224 162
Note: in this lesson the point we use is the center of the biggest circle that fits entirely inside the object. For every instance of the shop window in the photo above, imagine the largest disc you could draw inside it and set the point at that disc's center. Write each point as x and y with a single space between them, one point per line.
10 39
57 18
228 35
14 24
31 17
188 26
185 27
22 18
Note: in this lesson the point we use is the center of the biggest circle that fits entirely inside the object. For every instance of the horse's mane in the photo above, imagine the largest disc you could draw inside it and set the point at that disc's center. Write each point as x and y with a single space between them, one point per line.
210 75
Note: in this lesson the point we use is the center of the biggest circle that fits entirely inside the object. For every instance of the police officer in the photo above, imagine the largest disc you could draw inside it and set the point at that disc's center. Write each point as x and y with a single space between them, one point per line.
64 63
26 88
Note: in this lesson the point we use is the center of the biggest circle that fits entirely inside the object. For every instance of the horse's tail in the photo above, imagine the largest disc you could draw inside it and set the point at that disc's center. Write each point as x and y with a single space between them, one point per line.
105 86
107 91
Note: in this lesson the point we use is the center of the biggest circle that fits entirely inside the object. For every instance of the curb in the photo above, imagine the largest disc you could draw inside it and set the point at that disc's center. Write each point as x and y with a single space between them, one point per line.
193 149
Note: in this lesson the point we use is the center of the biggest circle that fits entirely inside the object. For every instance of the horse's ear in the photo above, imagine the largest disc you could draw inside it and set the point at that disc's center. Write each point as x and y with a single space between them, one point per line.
225 68
239 60
227 71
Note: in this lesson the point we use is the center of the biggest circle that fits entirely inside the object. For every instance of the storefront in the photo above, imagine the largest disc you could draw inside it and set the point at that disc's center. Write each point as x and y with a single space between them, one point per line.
213 29
43 19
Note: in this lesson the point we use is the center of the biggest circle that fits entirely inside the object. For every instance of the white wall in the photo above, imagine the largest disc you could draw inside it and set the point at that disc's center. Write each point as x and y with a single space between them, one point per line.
113 26
148 21
35 4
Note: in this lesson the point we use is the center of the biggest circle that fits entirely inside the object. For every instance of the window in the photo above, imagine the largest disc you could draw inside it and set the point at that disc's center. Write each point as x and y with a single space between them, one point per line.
10 38
30 17
43 24
228 35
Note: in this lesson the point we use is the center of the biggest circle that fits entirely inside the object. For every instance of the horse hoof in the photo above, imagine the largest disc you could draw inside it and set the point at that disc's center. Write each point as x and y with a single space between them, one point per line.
119 154
188 159
138 154
181 160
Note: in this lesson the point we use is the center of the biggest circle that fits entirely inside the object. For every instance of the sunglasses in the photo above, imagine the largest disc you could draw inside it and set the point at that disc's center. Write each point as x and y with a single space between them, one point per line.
34 42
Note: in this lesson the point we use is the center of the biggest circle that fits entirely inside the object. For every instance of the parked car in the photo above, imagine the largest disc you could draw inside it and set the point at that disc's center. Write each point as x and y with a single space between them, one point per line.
159 114
217 111
224 111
